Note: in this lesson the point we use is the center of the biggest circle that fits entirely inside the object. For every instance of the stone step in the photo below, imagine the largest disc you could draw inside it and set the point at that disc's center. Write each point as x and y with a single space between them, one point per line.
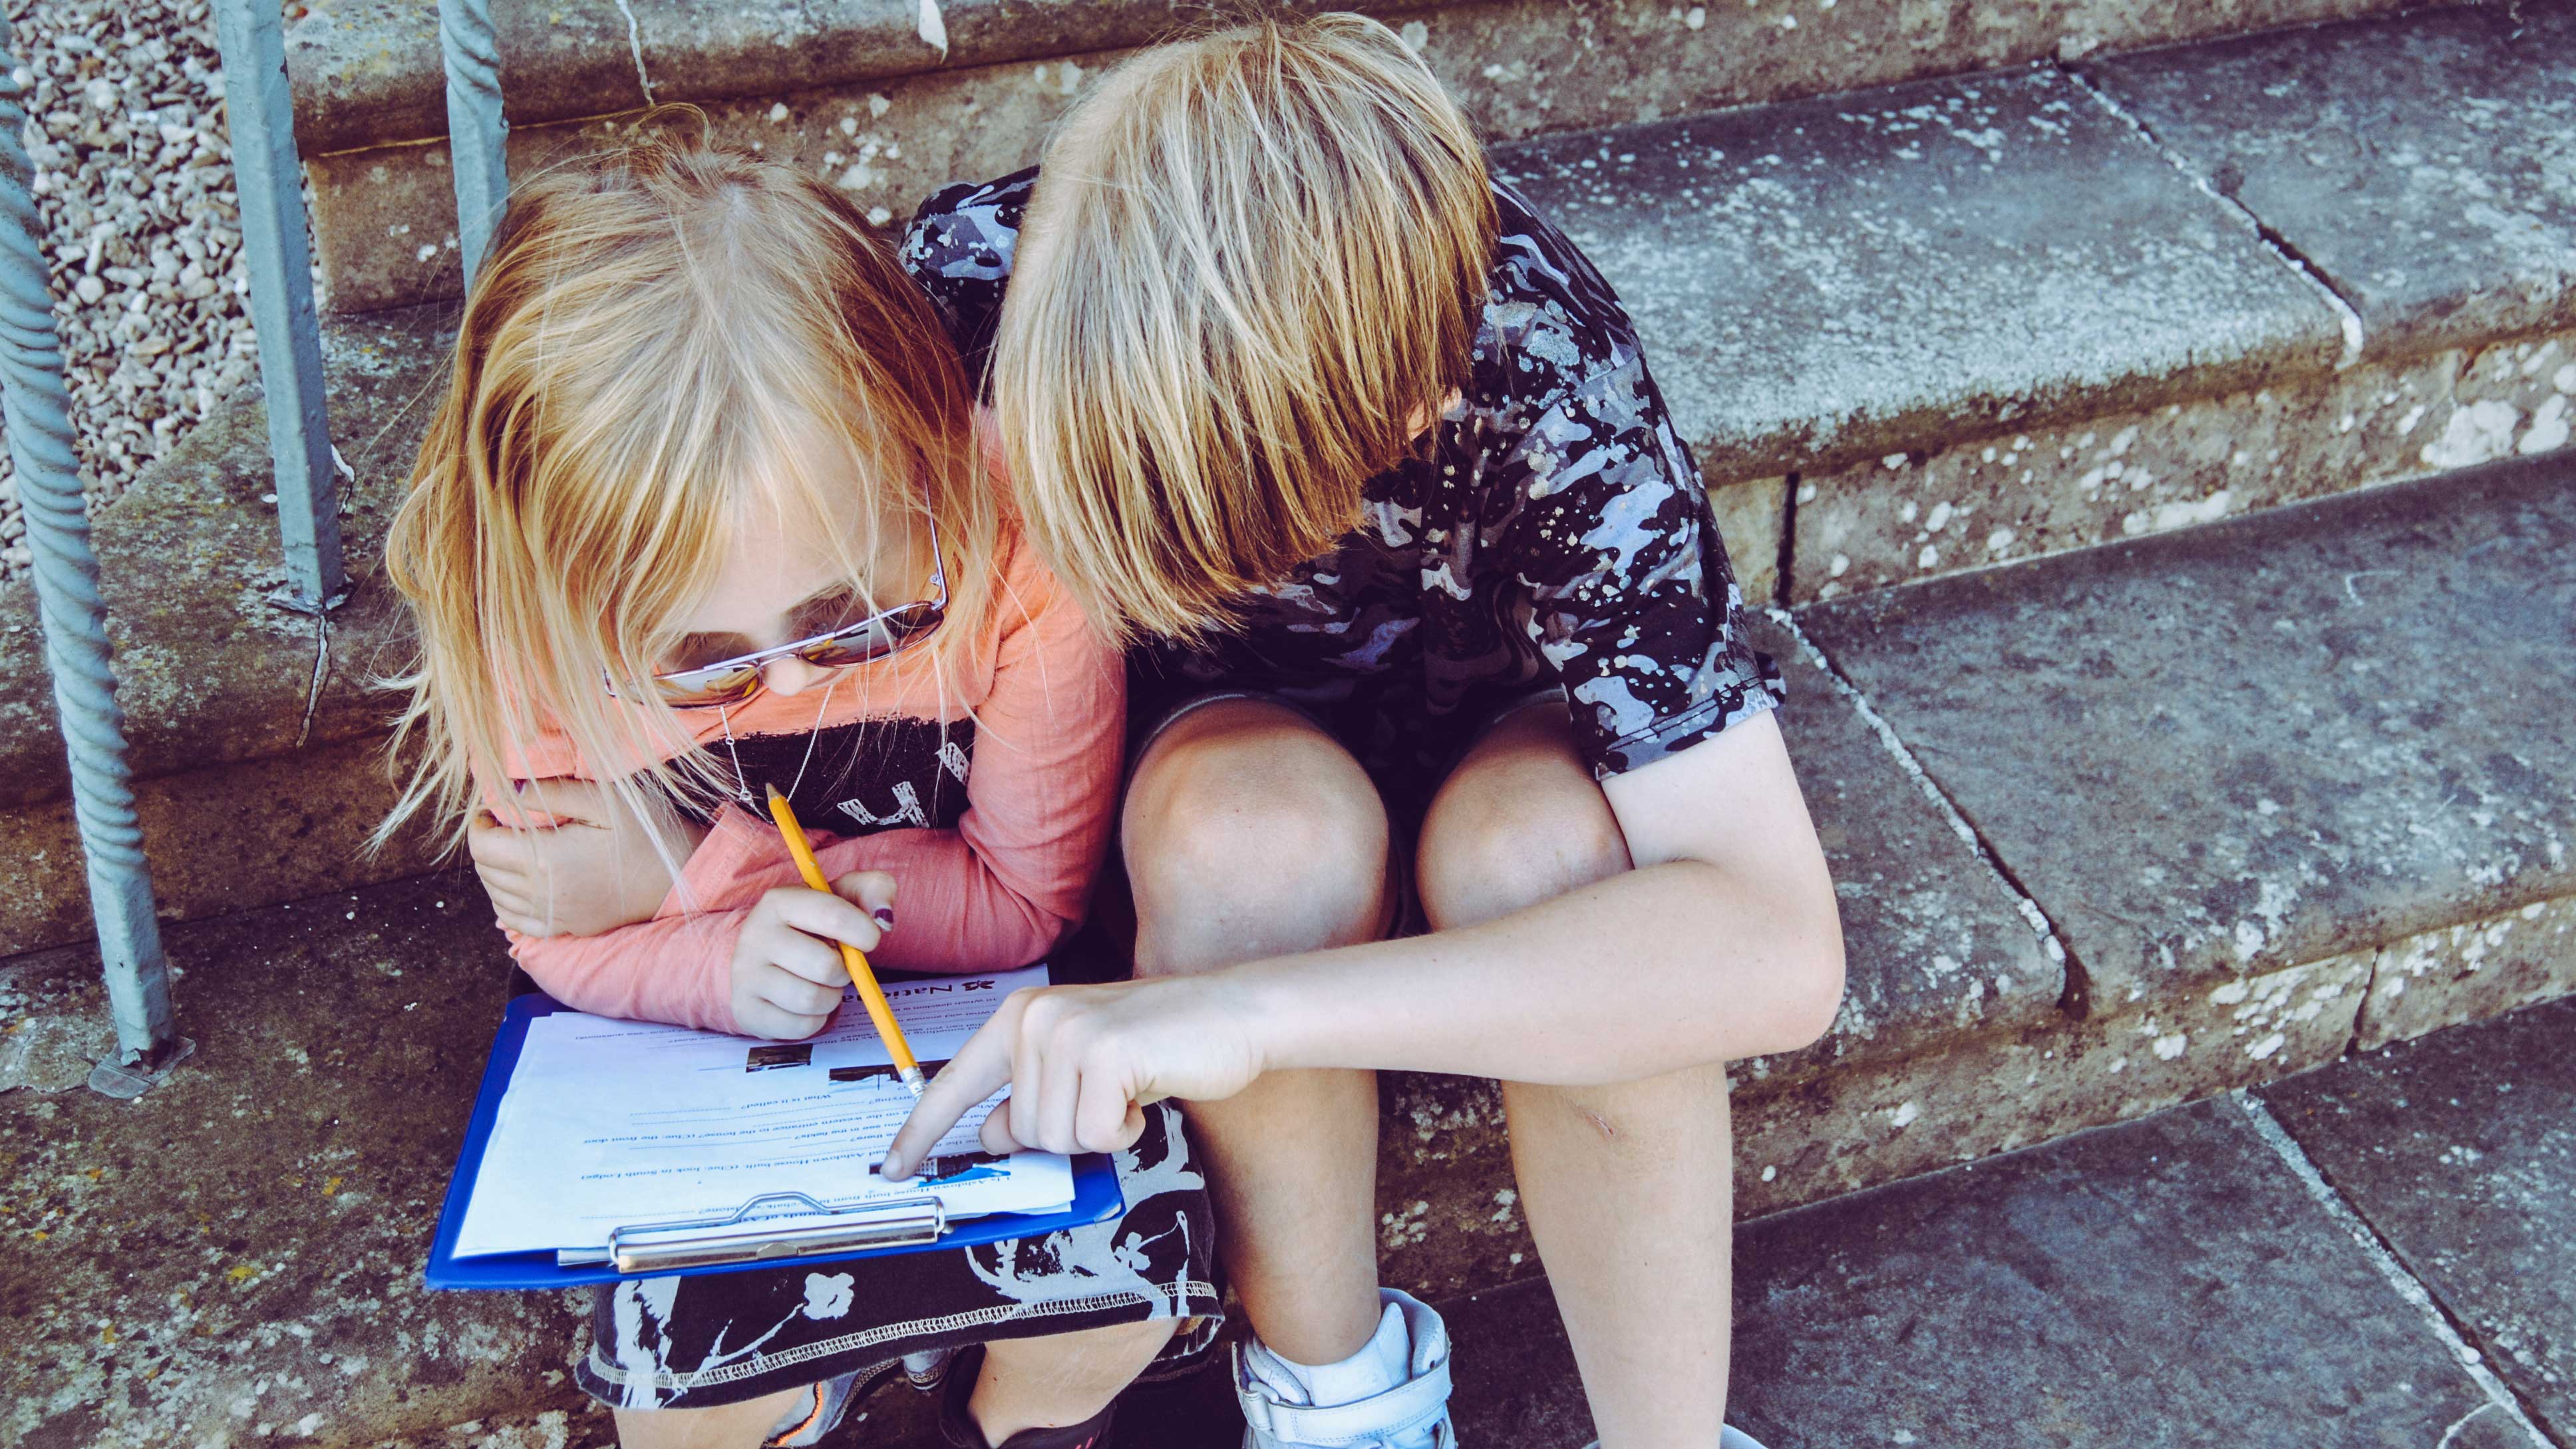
2112 831
858 91
1850 302
2123 828
1958 323
258 747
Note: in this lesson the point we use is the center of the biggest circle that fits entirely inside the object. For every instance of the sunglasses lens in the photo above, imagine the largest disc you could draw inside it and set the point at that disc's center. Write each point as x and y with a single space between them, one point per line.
692 688
880 637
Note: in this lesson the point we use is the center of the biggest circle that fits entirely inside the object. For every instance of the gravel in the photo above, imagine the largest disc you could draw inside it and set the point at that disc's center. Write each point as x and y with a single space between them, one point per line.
134 177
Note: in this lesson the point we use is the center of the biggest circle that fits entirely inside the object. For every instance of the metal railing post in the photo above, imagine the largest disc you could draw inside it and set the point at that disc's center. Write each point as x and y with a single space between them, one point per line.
477 132
37 409
260 113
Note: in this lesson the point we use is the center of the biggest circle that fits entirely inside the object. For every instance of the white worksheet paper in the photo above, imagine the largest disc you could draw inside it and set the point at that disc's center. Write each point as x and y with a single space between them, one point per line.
611 1123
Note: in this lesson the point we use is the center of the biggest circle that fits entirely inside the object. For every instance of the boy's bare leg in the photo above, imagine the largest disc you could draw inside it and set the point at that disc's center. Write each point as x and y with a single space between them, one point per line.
1249 833
727 1426
1645 1290
1063 1378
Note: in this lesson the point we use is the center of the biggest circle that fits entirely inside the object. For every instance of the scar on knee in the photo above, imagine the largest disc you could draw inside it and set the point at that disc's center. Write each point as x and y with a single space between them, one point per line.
1603 1125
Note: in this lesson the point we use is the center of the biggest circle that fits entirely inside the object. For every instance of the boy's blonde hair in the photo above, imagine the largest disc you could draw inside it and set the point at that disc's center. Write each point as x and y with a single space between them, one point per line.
1254 265
659 339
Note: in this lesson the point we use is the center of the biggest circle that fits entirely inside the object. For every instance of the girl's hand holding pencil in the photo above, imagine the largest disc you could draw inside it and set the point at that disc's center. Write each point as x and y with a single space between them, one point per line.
854 956
787 972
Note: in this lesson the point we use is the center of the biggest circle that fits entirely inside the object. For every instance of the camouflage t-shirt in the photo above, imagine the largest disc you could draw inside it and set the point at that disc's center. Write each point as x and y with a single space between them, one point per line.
1555 531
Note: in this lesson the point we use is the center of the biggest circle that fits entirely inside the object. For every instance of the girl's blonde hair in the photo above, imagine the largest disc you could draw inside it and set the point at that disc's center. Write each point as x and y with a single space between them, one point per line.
1255 264
659 340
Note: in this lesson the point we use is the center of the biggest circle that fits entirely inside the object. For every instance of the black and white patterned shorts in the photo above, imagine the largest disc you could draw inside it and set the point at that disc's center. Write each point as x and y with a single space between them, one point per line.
696 1342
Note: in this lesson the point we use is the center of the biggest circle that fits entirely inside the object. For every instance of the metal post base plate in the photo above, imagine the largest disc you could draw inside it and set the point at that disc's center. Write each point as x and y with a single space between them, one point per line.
295 603
113 1079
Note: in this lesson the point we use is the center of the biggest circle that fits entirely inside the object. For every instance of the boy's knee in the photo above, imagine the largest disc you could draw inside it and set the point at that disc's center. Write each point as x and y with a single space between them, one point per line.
1497 851
1262 845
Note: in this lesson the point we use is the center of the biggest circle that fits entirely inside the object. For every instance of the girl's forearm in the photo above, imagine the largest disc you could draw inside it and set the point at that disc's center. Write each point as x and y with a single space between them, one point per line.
1654 970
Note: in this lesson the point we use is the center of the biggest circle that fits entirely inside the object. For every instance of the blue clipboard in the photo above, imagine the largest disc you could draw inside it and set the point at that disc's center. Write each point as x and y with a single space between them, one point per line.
1096 1198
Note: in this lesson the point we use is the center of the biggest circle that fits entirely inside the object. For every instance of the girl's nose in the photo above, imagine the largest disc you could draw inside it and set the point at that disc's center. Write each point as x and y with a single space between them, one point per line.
790 675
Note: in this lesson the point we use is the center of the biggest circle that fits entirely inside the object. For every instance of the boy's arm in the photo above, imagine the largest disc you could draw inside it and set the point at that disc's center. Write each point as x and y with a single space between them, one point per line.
1723 943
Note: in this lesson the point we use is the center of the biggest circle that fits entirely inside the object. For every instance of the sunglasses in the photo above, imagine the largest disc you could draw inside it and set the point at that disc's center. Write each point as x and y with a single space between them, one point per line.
888 631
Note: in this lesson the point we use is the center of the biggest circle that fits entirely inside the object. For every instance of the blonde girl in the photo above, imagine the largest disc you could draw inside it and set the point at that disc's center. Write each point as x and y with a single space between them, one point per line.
703 512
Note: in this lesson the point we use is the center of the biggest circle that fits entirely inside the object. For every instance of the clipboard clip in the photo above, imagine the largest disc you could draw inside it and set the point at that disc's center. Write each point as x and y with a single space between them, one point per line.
772 1225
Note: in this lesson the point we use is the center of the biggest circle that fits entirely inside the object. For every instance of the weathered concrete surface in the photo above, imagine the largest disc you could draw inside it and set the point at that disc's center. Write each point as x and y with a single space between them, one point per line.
237 834
1938 945
1963 503
235 1256
1513 1370
244 800
2229 763
2167 1284
371 110
1751 517
1538 67
2471 972
1836 279
384 220
586 1427
2418 163
366 72
2459 1151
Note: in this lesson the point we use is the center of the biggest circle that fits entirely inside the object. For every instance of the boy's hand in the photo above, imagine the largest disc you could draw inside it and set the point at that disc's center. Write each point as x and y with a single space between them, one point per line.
1082 1062
579 863
787 972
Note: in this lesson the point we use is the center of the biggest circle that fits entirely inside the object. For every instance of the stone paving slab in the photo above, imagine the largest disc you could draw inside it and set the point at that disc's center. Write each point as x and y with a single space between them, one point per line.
1834 279
2418 162
2230 762
2459 1151
1937 946
235 1256
2164 1283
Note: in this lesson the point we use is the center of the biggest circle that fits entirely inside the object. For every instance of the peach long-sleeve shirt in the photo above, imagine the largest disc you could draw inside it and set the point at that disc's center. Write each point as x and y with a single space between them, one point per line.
1048 698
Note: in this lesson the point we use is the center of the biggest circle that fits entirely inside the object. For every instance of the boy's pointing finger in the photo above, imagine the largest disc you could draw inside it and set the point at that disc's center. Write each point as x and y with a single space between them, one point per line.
980 1068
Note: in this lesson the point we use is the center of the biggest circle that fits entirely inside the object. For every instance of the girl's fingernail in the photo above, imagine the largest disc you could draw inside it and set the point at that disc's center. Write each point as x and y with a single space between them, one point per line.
885 916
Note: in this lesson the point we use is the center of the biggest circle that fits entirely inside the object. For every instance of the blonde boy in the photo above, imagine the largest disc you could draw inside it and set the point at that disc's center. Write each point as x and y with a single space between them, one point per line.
1455 757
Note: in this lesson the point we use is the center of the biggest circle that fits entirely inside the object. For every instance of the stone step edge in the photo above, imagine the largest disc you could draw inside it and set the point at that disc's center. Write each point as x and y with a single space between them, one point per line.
374 77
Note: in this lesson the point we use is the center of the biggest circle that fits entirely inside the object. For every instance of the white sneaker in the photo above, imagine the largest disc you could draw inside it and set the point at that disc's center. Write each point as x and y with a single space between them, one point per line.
1278 1409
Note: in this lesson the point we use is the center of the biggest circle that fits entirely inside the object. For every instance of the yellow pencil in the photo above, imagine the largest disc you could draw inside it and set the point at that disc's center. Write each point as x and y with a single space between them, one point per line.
852 959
